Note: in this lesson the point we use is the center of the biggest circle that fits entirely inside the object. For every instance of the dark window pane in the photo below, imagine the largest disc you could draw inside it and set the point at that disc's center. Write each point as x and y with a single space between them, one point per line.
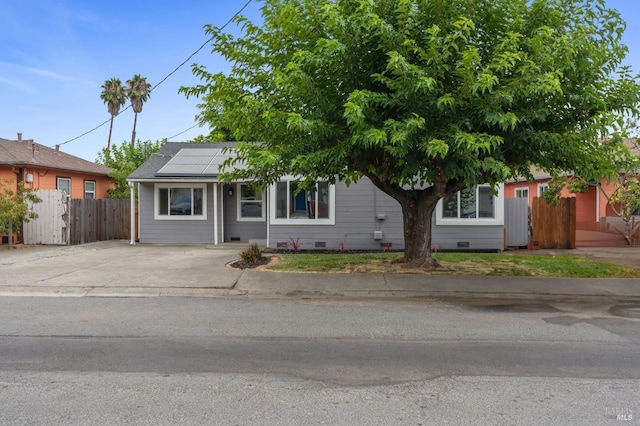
163 201
450 206
249 193
180 202
197 201
251 209
281 200
485 202
323 200
468 203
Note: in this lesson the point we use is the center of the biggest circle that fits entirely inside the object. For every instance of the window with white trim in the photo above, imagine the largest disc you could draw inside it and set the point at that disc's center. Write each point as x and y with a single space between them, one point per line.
89 189
542 187
472 206
181 201
522 193
64 184
251 205
290 204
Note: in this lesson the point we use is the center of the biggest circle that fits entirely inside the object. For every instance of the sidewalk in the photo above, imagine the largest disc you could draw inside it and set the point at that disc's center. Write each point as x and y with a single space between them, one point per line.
116 269
271 284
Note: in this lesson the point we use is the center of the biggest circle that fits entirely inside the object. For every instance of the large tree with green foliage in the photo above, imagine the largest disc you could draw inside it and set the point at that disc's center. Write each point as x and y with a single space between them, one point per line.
423 97
123 160
15 200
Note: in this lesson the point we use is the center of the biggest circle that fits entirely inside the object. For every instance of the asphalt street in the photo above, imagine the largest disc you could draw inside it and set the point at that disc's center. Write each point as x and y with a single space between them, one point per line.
108 333
177 360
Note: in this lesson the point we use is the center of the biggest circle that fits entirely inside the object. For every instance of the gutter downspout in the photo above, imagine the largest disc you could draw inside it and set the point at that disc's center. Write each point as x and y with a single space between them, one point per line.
222 207
268 213
132 198
215 213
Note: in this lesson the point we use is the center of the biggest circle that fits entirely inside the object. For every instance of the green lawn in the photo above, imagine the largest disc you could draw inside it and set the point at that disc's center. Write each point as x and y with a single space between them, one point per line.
504 264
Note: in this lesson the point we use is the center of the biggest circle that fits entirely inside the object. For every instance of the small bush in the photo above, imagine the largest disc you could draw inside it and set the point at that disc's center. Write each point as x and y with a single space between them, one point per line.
252 256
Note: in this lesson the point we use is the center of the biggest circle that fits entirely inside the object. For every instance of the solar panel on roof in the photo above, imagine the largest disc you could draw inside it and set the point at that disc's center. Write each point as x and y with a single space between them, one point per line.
193 161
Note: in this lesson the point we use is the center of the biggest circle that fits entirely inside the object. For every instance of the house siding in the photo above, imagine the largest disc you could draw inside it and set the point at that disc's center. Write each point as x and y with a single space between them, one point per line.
47 179
235 230
357 210
173 231
483 237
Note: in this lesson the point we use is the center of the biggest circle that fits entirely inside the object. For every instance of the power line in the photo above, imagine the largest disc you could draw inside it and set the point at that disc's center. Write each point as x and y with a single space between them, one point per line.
165 78
203 44
184 131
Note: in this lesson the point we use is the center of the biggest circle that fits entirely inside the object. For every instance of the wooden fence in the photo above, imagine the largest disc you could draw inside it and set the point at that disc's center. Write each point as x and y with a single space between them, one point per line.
52 224
554 226
99 220
516 222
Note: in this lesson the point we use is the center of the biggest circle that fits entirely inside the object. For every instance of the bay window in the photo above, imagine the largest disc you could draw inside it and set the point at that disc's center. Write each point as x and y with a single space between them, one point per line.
291 204
476 205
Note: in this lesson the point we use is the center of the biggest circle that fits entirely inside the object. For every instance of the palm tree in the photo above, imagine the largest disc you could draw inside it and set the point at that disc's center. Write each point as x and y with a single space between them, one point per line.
113 94
138 91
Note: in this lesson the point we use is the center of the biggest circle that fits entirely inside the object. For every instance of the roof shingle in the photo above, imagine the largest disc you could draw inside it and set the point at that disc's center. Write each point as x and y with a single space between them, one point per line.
26 152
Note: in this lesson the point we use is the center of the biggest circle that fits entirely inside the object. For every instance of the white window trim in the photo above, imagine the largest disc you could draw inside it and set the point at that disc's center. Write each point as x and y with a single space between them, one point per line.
90 192
65 179
156 201
542 185
273 220
522 188
498 204
239 200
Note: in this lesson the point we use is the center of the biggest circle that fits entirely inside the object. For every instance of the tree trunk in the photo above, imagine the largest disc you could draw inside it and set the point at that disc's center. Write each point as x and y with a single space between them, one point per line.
110 129
418 206
417 218
133 134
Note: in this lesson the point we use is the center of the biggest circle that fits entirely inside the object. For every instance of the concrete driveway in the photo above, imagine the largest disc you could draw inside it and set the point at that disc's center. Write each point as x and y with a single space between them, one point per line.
117 268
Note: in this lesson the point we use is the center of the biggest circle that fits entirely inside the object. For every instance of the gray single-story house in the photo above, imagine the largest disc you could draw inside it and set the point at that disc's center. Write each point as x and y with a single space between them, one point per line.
180 200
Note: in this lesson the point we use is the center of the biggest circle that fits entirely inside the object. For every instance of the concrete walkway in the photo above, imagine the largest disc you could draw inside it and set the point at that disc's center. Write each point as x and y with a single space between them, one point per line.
117 269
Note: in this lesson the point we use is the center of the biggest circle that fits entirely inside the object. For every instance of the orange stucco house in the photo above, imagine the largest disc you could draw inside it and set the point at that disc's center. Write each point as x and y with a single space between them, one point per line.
41 167
596 222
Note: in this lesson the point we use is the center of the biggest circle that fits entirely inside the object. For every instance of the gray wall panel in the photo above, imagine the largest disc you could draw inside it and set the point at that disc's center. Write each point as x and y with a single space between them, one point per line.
357 209
356 212
173 231
235 230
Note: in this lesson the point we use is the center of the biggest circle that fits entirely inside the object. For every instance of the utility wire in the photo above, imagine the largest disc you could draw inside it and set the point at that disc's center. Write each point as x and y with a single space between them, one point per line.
165 78
184 131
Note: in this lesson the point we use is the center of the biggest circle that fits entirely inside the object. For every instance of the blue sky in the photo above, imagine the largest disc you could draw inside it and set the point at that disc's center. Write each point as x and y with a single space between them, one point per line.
55 55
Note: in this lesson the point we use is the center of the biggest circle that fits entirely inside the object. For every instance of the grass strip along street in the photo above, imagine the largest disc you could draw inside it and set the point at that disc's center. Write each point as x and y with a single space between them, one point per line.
492 264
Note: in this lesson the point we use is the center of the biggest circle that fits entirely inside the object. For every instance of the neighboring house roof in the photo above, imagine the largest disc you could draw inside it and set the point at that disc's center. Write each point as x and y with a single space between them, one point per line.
632 143
183 160
27 153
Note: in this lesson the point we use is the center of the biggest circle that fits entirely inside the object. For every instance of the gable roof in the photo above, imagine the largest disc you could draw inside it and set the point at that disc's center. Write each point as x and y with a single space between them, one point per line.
183 160
538 174
27 153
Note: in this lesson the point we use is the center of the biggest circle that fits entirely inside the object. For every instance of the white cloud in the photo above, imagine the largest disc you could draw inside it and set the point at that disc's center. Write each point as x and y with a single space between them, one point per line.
49 74
17 84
